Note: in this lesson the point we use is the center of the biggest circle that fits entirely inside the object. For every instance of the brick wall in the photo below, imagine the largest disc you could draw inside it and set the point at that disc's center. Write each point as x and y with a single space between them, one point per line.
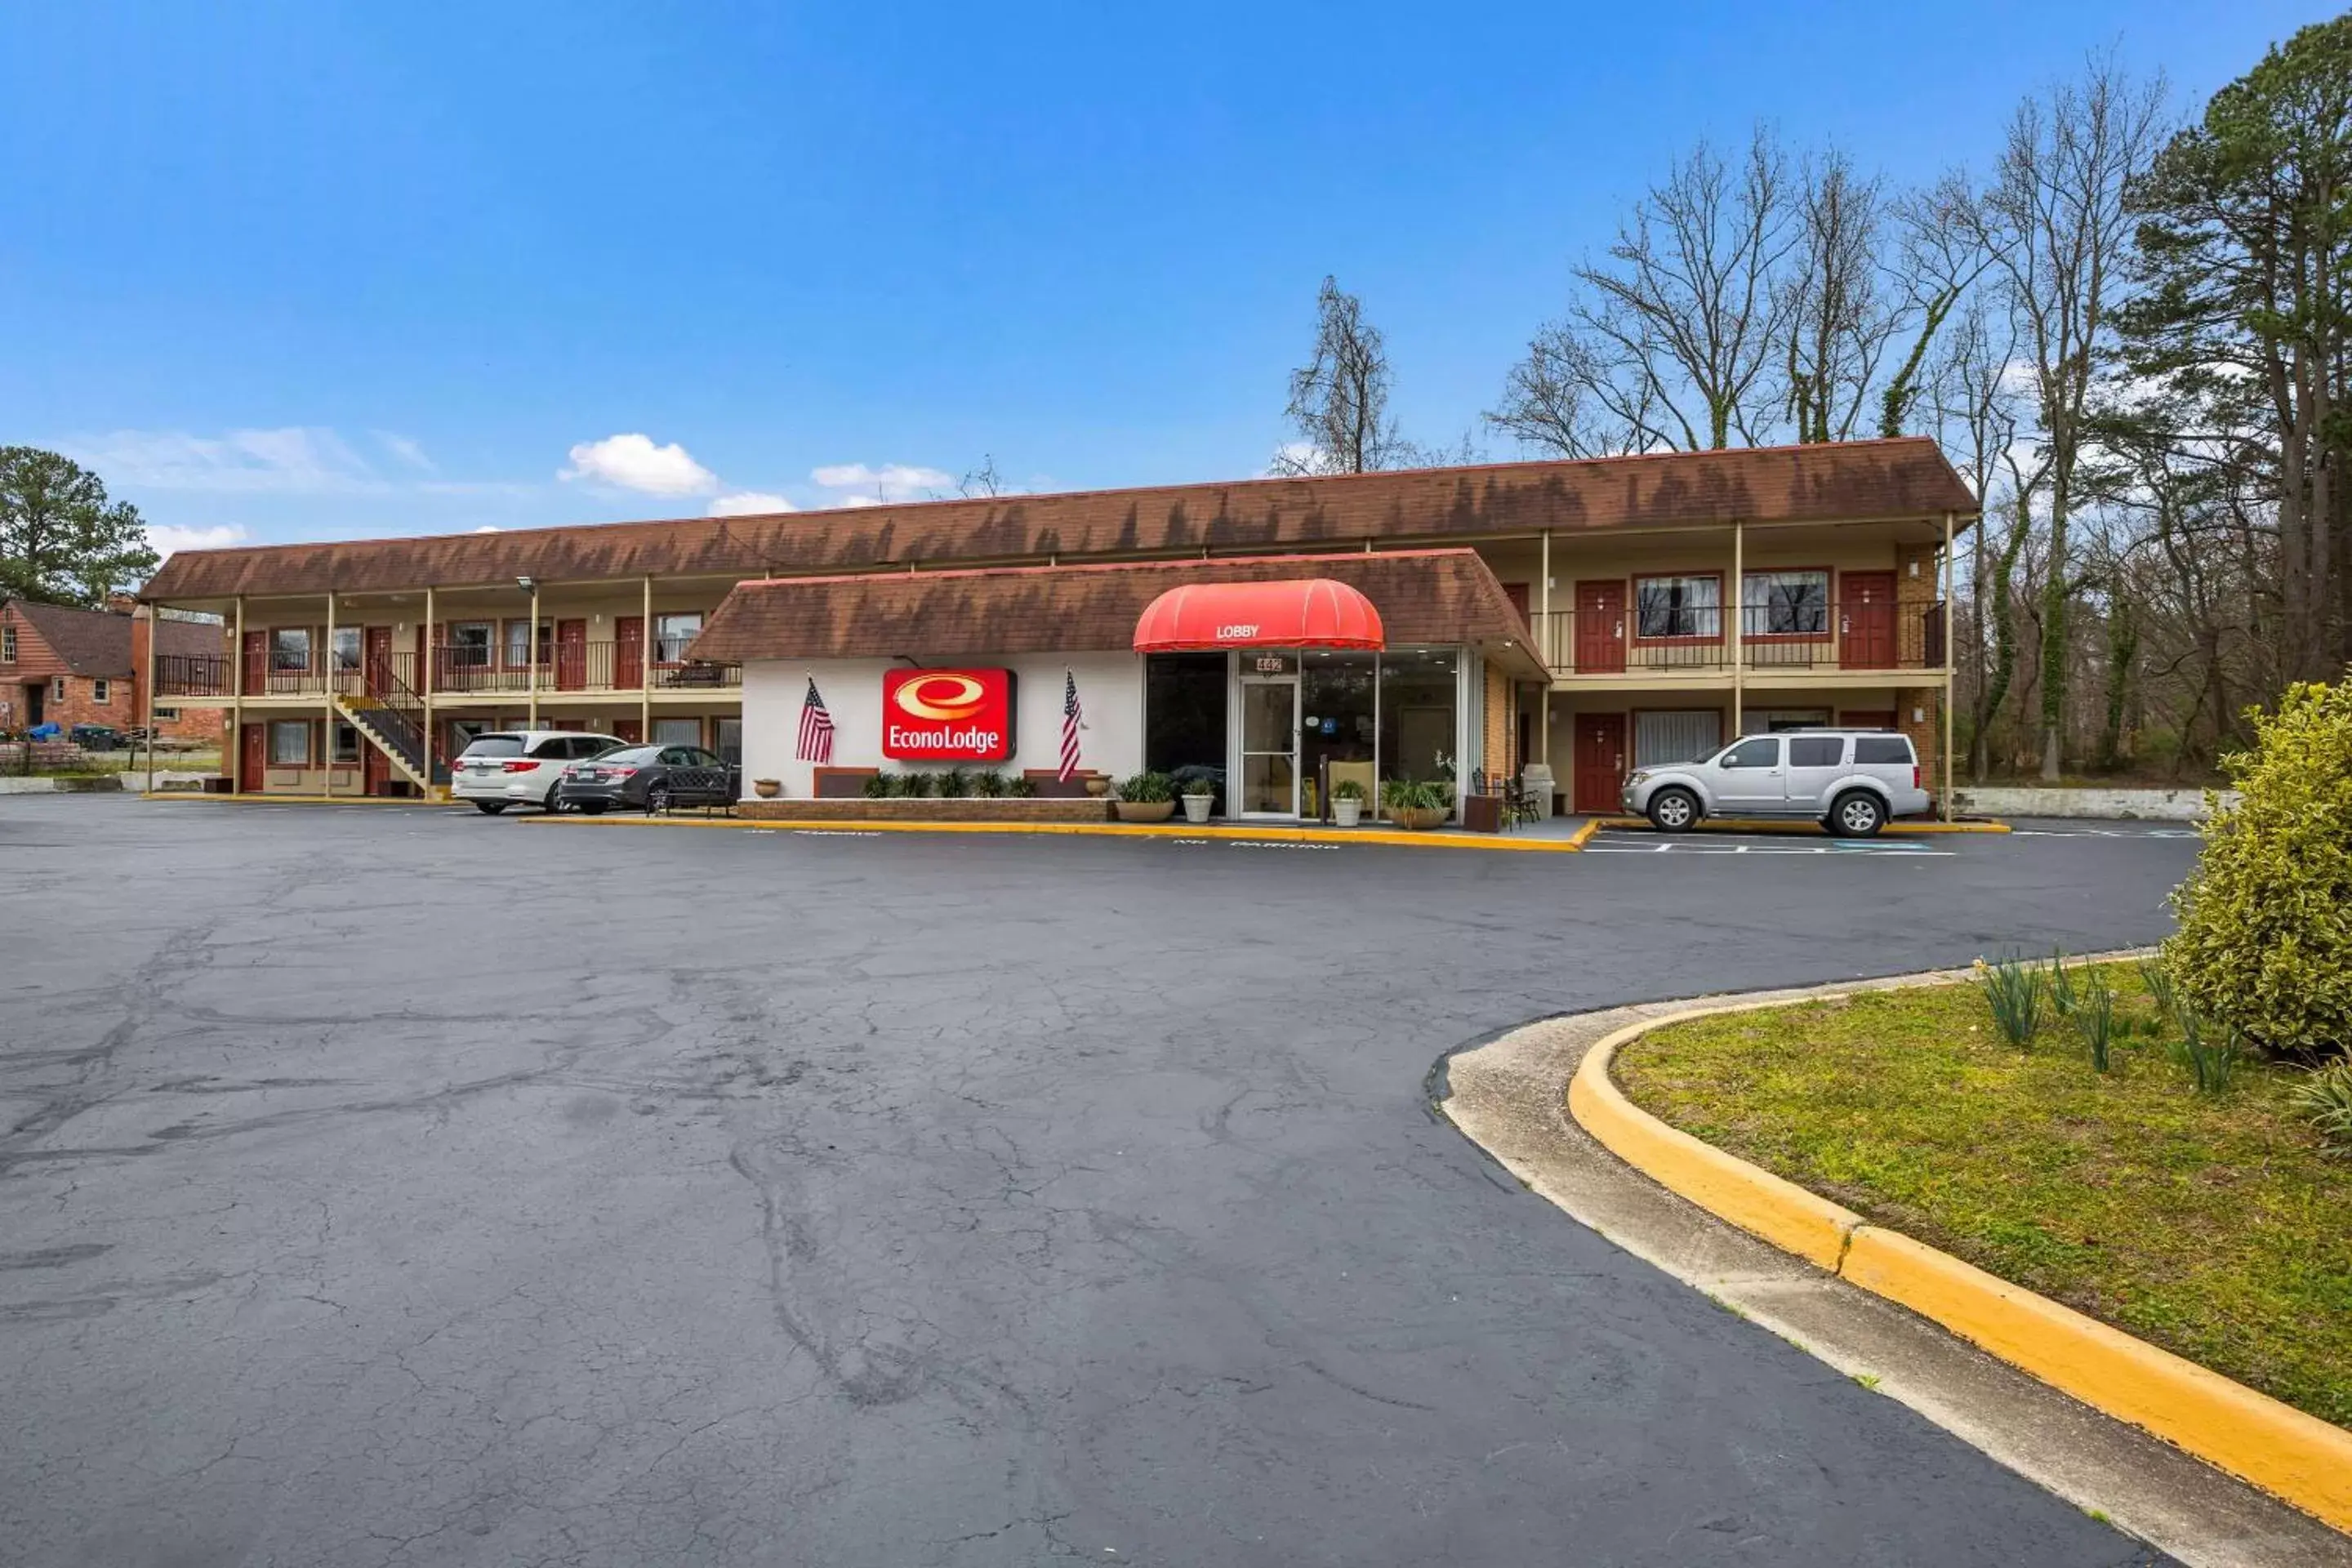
1497 760
1085 810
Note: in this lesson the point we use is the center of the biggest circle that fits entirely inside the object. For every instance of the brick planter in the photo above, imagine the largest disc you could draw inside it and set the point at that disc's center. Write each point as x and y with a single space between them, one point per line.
1078 809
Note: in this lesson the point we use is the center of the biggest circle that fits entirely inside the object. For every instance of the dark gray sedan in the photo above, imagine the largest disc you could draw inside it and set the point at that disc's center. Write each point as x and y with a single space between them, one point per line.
647 778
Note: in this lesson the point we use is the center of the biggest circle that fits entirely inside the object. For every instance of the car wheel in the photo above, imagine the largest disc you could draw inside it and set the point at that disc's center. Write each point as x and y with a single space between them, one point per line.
489 808
1673 811
1857 813
657 800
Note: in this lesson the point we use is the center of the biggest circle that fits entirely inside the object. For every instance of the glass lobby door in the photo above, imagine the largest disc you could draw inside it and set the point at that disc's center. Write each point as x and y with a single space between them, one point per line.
1269 785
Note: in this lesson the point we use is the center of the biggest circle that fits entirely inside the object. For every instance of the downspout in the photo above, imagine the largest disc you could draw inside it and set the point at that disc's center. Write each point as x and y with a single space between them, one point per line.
530 660
1946 781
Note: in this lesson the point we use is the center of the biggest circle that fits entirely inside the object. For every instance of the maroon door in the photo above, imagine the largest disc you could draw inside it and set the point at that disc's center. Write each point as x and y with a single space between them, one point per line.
1517 594
1866 719
257 664
377 659
628 652
376 772
633 731
253 758
1600 630
1866 620
1600 760
570 654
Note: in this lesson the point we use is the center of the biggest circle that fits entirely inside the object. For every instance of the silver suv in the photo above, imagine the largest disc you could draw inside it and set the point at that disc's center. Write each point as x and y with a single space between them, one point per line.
521 767
1852 782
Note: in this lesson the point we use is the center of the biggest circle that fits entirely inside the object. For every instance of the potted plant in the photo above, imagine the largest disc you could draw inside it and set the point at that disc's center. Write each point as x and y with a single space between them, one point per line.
1200 796
1098 786
1348 803
1416 804
767 789
1146 797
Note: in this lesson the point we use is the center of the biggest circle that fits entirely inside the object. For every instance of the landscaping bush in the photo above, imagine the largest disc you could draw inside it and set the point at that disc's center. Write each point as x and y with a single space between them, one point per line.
2325 1096
1147 788
2265 941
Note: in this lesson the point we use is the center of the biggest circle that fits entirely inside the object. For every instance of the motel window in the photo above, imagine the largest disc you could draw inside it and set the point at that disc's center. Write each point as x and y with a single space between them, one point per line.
57 689
518 655
166 715
1773 720
678 733
7 644
469 643
347 648
1676 735
290 743
1785 604
100 691
673 632
1678 607
346 743
290 648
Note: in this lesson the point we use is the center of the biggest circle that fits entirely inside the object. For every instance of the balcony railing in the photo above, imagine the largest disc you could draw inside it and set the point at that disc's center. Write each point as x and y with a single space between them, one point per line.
1856 636
193 674
614 667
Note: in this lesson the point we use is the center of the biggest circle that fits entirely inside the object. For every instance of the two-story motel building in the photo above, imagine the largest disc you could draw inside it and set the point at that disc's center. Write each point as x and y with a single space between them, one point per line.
1591 617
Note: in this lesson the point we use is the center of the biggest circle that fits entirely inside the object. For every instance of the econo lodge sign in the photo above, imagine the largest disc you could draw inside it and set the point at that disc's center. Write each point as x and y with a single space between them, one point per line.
947 715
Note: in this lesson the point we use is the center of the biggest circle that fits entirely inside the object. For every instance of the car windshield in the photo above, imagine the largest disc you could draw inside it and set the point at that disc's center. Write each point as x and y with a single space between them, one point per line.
632 756
494 746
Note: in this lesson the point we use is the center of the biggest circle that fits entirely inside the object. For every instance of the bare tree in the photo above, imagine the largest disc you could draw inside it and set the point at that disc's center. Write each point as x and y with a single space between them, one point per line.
1836 313
1669 340
1340 399
1937 265
2055 225
983 480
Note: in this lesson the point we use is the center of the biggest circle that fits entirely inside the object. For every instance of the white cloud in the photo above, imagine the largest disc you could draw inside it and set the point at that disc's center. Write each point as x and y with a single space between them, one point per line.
167 539
891 481
294 460
748 503
632 462
489 528
855 500
406 450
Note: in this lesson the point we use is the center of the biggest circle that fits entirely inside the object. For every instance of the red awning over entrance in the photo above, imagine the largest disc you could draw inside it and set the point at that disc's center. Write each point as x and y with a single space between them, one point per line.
1305 612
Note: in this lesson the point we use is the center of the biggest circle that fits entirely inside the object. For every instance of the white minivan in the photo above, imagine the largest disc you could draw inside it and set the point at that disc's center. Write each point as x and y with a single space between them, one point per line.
1852 782
511 767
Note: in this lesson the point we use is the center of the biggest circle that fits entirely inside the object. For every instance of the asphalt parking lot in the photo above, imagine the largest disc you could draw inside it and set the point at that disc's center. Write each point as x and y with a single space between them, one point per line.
389 1185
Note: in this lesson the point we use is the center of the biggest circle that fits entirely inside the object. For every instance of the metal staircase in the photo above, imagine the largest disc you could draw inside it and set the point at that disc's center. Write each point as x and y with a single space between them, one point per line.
391 717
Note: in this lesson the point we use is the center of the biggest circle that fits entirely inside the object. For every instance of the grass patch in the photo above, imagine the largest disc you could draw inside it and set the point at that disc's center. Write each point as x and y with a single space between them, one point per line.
2216 1226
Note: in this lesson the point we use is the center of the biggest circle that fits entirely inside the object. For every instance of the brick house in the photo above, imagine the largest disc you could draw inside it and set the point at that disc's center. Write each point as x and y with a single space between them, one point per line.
66 666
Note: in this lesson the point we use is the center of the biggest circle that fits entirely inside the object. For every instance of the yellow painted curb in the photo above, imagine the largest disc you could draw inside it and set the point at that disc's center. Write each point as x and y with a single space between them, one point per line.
1781 1212
1793 825
290 799
2297 1457
1424 840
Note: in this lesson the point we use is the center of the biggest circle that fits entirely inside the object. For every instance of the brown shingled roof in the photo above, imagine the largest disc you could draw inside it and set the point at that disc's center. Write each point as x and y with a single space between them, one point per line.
1903 477
98 642
1424 597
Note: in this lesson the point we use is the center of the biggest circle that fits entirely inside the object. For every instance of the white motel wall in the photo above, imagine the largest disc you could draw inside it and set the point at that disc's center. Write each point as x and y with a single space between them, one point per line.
1110 691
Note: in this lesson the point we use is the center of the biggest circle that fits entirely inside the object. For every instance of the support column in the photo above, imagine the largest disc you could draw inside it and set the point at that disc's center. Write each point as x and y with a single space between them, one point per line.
531 657
327 734
425 687
1543 649
645 664
1946 774
153 613
233 743
1736 597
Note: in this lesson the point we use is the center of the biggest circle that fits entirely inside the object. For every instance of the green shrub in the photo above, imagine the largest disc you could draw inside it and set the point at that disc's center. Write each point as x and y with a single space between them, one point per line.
1147 788
2324 1096
876 787
988 785
1410 794
2266 940
1348 789
2062 984
916 785
955 784
1020 787
2012 990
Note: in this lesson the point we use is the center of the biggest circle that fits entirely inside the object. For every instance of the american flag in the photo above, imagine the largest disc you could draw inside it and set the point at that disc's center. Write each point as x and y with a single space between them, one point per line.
1071 715
817 729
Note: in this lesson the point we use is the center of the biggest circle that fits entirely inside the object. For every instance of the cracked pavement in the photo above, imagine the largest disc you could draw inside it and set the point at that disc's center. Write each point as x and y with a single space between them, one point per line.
395 1185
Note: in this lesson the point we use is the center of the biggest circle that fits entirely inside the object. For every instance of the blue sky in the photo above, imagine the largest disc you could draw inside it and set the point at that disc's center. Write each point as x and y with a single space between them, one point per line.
310 269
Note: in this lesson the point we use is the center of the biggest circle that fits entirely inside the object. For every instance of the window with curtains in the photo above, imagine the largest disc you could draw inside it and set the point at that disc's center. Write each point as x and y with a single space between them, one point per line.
1785 604
1660 738
673 632
290 648
290 743
347 648
1678 607
518 645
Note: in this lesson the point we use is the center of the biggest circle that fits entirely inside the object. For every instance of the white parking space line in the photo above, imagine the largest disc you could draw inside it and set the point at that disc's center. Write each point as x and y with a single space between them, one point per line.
2103 833
1866 850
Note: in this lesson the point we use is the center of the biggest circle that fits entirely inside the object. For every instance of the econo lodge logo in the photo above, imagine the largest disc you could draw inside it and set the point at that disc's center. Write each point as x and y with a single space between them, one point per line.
948 715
